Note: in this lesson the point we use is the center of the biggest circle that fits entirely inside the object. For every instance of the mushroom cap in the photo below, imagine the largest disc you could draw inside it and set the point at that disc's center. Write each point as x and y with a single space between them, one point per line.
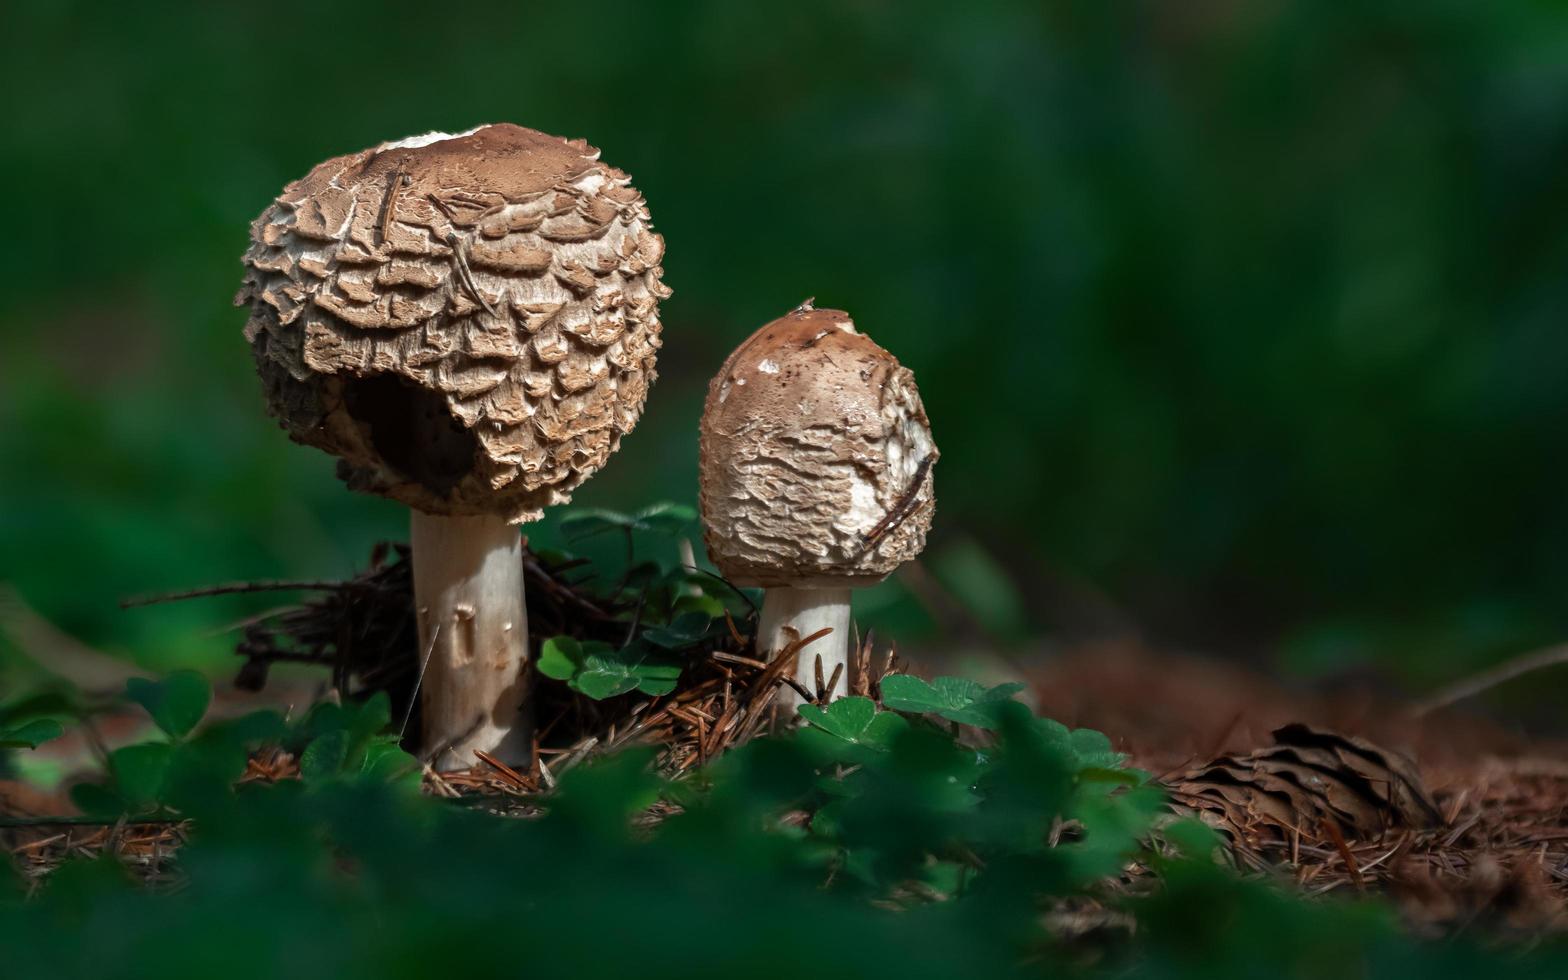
816 458
469 322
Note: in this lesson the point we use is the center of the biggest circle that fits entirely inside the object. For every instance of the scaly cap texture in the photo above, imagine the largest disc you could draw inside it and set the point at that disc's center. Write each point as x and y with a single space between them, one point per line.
469 322
816 458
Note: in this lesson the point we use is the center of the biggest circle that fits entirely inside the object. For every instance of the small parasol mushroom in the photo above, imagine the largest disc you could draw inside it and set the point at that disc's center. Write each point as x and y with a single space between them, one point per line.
815 477
469 323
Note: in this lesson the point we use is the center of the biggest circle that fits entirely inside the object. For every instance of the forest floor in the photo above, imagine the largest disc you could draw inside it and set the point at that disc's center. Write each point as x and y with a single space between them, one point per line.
1498 854
1461 822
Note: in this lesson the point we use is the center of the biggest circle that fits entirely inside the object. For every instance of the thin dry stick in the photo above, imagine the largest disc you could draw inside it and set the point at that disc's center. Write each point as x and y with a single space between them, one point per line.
902 508
1486 680
413 698
232 589
806 697
838 671
464 274
511 775
735 658
397 180
738 592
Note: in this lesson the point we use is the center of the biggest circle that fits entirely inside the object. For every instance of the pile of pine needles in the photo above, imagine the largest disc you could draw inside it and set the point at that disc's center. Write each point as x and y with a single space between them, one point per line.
362 632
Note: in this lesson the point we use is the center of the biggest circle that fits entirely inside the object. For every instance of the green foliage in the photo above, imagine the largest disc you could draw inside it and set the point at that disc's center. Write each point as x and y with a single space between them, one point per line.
335 755
343 741
954 698
1090 749
138 772
601 671
868 843
664 615
30 734
854 720
662 518
687 629
150 776
175 703
193 768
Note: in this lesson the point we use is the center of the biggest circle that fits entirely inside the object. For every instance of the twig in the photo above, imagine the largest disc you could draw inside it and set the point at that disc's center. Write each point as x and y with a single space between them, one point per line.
464 274
902 509
805 696
234 588
838 671
735 658
728 585
396 181
1486 680
631 630
1332 829
81 821
512 776
419 681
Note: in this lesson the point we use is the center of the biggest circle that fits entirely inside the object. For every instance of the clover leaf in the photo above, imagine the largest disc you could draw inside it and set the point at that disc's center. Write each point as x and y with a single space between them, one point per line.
601 671
954 698
683 631
855 720
30 735
176 703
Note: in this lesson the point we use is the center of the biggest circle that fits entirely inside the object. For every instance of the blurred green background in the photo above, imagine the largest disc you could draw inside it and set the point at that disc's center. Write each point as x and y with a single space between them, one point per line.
1238 322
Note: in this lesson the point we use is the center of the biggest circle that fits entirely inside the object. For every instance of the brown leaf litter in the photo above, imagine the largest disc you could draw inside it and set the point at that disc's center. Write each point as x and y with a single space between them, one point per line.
1464 823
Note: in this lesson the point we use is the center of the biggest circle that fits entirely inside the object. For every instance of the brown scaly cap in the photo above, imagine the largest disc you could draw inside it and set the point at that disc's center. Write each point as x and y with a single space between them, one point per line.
468 322
816 458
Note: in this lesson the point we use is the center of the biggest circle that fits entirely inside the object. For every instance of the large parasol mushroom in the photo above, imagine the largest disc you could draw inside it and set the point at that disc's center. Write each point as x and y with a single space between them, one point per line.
469 323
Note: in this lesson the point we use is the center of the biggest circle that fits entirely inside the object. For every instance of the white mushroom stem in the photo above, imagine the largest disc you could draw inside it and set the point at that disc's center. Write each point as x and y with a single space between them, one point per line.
790 614
473 639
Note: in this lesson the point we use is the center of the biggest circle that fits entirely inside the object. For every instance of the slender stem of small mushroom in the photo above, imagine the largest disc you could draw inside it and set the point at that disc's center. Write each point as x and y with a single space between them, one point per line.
788 614
468 589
